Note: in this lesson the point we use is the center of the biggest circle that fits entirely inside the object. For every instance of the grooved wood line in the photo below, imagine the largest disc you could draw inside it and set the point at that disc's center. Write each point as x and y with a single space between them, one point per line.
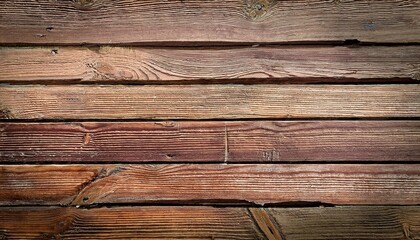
211 223
127 223
182 22
160 65
242 141
209 184
209 101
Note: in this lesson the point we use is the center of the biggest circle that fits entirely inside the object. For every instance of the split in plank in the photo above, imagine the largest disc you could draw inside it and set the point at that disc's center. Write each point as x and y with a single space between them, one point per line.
184 141
361 222
201 22
150 65
210 183
209 101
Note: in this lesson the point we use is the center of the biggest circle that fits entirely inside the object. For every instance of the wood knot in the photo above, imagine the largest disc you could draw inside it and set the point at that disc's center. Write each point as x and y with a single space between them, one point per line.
257 9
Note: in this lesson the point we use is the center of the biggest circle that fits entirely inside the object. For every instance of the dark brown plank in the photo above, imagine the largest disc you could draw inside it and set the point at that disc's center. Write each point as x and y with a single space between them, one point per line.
210 183
182 22
348 222
208 101
151 65
127 223
264 141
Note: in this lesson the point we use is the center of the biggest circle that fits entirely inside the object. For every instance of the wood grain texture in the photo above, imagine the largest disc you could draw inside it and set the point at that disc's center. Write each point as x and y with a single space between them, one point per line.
209 223
209 101
182 22
183 141
348 222
210 183
163 65
127 223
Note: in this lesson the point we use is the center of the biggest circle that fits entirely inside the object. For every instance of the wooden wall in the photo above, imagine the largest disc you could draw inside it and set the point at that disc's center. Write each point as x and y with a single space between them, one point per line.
185 119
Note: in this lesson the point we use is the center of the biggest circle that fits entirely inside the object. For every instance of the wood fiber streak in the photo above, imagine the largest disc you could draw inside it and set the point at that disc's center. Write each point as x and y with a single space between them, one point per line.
191 21
209 101
127 223
348 222
152 65
210 184
256 141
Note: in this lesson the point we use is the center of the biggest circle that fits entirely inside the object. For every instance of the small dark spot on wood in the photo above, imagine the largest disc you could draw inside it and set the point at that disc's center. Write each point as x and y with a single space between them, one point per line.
168 155
259 6
256 9
54 51
85 199
49 29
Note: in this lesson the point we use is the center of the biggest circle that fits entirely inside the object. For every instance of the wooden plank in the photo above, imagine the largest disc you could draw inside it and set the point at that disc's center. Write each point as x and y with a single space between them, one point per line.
127 223
210 183
152 65
348 222
183 141
183 22
277 141
128 142
361 222
209 101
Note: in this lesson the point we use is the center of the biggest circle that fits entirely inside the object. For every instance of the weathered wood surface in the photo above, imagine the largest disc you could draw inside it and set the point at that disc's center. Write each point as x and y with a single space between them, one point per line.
166 65
242 141
210 223
127 223
209 183
209 101
183 22
348 222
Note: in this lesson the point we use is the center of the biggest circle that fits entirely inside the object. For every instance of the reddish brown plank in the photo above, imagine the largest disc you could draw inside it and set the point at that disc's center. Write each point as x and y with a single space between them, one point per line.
210 183
171 222
254 141
209 101
160 65
274 141
94 142
127 223
183 22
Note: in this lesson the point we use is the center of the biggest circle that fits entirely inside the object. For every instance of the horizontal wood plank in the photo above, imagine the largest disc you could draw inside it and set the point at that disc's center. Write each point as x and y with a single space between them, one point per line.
210 223
154 65
208 101
183 141
348 222
183 22
210 183
127 223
